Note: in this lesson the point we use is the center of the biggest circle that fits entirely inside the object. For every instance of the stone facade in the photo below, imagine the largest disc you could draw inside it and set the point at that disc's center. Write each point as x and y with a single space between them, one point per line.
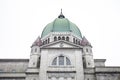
60 54
17 69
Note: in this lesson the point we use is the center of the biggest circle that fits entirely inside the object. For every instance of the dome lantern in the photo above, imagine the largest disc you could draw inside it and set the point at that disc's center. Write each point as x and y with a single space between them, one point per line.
61 15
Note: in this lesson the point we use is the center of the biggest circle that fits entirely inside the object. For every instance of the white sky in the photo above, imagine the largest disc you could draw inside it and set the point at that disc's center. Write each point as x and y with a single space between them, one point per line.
22 21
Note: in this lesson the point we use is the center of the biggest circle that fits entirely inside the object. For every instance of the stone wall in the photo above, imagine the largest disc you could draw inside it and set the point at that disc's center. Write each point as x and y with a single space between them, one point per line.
108 76
13 65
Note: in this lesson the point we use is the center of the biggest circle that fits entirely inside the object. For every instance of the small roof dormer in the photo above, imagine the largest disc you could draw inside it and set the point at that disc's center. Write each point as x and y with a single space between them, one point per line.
37 42
85 42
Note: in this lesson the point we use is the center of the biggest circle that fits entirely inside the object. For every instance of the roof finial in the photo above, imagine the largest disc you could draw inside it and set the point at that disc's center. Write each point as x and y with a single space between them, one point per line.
61 15
61 10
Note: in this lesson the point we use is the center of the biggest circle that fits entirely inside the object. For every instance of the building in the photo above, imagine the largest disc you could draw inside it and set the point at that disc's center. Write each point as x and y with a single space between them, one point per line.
61 53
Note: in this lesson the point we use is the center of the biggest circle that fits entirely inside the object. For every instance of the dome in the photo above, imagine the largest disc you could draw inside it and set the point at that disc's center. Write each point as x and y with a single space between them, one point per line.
61 24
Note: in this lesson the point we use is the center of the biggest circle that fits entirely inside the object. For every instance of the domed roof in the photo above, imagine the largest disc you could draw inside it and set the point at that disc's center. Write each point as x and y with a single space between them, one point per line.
61 24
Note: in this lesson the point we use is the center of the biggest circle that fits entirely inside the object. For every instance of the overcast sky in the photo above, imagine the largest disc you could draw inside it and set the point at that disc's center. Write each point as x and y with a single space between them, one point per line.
22 21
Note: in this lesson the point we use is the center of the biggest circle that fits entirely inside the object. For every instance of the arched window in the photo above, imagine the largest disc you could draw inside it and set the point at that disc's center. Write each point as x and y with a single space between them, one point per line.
38 63
76 41
86 50
84 64
54 61
61 61
79 42
67 38
59 38
35 49
55 38
68 61
63 38
48 40
73 40
44 42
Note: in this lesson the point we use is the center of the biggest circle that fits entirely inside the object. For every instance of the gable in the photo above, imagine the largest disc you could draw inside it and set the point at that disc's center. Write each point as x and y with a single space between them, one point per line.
61 44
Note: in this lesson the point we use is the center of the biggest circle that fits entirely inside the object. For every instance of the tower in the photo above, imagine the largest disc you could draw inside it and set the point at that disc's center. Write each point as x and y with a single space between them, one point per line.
88 61
34 62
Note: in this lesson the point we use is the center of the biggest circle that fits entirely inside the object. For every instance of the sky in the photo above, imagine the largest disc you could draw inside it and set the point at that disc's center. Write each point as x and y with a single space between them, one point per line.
22 21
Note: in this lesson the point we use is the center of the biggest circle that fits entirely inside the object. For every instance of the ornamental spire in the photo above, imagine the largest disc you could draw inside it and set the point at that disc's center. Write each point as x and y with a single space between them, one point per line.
61 11
61 15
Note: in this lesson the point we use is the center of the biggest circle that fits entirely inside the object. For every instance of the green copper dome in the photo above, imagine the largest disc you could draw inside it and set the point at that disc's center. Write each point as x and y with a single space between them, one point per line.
61 24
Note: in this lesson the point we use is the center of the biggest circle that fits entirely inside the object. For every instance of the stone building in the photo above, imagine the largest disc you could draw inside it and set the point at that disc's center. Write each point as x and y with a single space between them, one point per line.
61 53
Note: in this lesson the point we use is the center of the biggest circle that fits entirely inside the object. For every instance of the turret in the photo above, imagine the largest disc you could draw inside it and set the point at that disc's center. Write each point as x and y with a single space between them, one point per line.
88 60
35 54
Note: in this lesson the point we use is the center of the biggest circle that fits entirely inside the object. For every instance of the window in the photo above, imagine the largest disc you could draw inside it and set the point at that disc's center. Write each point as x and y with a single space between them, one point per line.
76 41
55 38
33 63
61 60
79 42
73 40
84 64
67 38
86 50
43 42
88 63
54 61
35 49
67 61
38 63
63 38
59 38
48 40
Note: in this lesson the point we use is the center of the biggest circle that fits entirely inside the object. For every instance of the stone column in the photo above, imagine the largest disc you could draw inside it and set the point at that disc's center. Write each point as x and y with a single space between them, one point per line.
43 65
79 65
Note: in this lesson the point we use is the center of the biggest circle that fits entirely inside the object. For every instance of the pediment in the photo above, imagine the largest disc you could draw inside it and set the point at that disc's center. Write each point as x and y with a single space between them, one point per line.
61 44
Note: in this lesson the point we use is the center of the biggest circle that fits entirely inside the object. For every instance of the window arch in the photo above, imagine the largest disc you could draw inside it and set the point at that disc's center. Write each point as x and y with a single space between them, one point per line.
73 40
79 42
35 49
48 40
43 42
76 41
63 38
55 38
61 61
59 38
67 38
68 61
54 61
